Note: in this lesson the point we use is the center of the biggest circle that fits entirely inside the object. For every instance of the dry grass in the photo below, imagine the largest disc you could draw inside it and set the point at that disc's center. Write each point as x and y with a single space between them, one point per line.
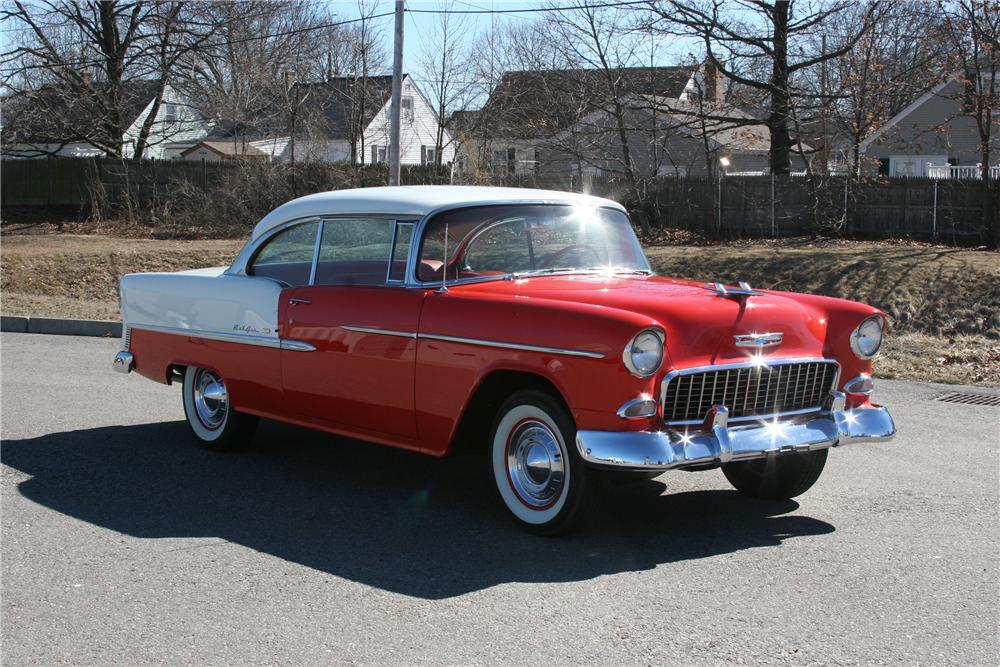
944 303
77 276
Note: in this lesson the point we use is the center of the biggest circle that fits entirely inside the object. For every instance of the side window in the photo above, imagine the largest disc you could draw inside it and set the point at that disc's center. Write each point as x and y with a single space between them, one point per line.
288 256
355 252
504 246
401 251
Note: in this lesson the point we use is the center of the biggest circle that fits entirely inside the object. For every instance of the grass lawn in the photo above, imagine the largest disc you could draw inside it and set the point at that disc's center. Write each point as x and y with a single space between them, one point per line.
944 303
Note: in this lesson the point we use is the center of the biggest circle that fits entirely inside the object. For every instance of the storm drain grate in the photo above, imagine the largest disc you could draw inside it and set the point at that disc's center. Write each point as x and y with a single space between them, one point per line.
970 399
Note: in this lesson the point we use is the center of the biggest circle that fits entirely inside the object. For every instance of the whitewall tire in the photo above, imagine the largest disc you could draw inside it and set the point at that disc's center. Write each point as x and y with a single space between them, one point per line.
210 414
538 473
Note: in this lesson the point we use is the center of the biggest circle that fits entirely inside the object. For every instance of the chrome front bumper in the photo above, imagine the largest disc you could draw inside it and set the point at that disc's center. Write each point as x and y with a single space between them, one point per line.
716 442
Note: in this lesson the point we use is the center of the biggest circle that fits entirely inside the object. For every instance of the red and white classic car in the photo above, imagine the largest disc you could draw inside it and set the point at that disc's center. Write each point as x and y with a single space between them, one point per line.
523 323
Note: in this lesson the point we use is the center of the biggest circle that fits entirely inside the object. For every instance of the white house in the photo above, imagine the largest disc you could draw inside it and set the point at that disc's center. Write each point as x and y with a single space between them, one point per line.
332 111
28 133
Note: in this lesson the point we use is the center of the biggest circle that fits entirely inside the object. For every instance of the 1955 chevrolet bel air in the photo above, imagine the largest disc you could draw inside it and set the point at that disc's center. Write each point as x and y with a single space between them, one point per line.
524 323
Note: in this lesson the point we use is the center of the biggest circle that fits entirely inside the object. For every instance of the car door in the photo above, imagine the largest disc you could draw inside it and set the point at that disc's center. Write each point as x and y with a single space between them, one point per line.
352 331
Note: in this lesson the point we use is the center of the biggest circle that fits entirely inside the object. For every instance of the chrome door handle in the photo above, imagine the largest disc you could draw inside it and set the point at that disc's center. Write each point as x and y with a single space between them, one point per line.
295 302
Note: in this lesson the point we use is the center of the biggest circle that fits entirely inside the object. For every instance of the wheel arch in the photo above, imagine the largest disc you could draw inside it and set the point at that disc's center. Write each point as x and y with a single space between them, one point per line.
472 431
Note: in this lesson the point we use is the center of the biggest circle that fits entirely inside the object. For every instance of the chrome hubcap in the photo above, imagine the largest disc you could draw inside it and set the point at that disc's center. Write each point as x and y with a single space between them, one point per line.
211 400
536 464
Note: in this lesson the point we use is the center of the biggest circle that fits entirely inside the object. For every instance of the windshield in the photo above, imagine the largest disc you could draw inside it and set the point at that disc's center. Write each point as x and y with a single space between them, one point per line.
528 240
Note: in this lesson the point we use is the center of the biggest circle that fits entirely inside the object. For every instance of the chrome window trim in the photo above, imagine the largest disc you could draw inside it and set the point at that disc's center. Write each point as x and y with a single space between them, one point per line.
239 265
412 224
747 364
242 261
418 234
513 346
315 261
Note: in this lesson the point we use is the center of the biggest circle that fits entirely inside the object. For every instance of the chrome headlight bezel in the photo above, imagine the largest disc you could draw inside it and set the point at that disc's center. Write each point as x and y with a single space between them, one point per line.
857 344
645 335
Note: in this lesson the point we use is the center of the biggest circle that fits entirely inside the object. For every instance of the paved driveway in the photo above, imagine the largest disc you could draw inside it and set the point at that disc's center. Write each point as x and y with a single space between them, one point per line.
123 541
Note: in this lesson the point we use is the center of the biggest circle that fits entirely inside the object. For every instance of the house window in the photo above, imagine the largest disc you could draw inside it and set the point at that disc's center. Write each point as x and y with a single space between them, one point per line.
407 107
170 113
498 164
504 161
378 153
428 155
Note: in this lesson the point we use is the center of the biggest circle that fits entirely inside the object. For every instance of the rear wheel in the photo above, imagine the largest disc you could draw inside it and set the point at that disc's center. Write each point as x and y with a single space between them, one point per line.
210 414
776 477
539 474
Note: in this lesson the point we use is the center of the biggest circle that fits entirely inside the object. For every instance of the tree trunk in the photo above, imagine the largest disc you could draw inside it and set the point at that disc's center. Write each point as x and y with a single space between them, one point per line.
777 122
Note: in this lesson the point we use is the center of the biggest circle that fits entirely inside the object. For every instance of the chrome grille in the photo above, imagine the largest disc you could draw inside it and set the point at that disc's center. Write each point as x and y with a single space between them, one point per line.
749 391
126 337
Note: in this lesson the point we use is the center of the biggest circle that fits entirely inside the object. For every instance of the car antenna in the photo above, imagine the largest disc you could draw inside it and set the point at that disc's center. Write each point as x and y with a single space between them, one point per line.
444 264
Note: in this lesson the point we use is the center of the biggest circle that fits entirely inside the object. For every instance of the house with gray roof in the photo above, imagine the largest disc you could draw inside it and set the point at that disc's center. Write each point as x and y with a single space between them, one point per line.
667 137
528 113
934 136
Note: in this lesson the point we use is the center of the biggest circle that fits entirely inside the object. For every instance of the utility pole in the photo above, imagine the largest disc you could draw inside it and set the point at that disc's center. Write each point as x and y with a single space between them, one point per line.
397 93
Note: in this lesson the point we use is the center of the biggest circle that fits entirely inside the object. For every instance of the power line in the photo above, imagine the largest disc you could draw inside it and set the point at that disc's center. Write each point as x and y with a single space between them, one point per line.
528 9
296 31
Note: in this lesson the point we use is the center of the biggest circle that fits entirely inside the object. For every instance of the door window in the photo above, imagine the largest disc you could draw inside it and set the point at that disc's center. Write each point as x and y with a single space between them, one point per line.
288 256
357 252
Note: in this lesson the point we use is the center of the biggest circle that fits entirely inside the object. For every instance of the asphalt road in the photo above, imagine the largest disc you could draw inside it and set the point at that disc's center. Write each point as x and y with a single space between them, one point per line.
124 542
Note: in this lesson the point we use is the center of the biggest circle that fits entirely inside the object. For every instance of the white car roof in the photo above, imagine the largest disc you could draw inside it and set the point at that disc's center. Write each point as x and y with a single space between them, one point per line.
413 200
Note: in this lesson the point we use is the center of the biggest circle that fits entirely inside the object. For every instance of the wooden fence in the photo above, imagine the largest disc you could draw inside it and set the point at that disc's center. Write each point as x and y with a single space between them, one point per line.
947 210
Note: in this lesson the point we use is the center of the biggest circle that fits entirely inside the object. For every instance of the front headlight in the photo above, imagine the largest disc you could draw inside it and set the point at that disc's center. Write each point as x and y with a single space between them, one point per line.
867 338
644 353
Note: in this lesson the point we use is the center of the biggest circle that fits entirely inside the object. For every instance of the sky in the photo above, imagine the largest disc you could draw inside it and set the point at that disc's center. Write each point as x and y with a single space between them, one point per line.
418 27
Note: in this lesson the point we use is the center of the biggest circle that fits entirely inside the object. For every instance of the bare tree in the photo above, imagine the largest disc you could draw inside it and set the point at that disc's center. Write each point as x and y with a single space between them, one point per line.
444 68
74 66
763 47
888 67
368 55
972 31
246 78
595 37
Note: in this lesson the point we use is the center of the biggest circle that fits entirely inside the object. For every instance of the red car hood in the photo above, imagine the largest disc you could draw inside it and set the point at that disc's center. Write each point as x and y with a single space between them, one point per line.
700 325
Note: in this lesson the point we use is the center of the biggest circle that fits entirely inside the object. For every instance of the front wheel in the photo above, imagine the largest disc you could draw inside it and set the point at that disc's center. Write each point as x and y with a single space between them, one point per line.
776 477
539 474
210 414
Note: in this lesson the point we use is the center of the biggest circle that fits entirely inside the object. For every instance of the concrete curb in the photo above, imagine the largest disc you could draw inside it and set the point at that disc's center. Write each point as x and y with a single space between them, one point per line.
60 327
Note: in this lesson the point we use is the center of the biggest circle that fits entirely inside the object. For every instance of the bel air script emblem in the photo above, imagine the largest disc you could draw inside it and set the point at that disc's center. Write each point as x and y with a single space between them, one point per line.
759 339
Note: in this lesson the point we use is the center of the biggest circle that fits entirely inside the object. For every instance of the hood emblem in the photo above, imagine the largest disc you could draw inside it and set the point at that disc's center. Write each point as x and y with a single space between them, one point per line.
759 339
743 291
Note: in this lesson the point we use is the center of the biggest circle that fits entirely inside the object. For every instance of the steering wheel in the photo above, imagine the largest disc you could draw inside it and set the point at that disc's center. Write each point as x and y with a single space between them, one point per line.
551 260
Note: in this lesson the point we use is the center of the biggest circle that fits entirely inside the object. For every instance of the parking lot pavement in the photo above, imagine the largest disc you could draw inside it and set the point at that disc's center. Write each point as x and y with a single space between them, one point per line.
125 542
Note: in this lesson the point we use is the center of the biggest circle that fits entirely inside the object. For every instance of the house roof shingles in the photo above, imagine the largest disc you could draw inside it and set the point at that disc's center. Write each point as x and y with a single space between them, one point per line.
538 103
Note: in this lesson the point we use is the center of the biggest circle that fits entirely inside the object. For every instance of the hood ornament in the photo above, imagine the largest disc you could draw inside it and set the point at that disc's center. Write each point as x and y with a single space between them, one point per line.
744 290
759 340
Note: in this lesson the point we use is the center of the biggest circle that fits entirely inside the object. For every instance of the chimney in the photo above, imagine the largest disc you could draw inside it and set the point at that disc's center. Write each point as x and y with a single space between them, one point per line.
714 82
